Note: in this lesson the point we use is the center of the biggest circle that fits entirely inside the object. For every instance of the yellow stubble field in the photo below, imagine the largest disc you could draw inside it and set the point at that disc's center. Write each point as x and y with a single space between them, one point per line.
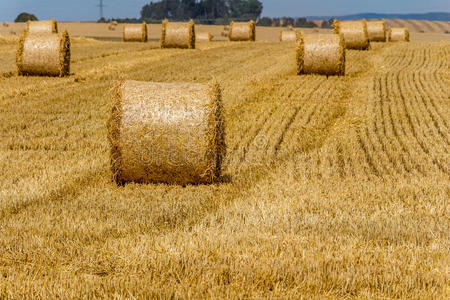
333 187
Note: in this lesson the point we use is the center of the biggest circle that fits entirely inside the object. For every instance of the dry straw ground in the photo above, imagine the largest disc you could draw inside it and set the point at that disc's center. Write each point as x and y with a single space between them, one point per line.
335 187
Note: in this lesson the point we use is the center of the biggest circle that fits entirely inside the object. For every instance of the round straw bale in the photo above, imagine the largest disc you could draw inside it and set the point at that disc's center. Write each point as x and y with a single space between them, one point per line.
398 34
321 54
37 27
288 36
203 37
166 133
242 31
135 33
354 32
376 31
44 54
178 35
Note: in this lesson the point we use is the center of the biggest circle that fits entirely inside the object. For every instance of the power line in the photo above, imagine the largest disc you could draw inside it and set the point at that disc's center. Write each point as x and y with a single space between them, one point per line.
101 6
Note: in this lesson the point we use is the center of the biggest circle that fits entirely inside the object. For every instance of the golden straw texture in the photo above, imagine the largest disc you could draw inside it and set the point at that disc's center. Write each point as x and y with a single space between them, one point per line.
320 54
166 133
242 31
178 35
288 36
135 33
376 31
398 34
44 54
354 32
203 37
38 27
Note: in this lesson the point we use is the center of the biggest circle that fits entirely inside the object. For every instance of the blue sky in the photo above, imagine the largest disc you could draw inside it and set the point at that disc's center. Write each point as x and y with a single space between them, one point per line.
85 10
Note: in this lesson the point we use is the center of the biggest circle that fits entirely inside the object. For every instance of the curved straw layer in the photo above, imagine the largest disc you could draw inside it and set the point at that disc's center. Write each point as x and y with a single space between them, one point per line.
376 31
203 37
320 54
135 33
398 34
178 35
288 36
242 31
166 133
354 32
38 27
44 54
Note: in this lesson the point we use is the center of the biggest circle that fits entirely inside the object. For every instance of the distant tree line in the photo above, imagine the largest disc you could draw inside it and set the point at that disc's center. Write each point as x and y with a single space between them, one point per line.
204 10
286 21
218 12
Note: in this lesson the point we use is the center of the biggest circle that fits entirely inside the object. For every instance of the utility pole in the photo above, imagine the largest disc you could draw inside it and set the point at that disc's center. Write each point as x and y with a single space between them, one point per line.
101 6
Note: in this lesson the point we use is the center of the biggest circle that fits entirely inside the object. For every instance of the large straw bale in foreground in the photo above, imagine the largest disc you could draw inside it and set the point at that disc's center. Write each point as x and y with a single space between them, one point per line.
398 34
135 33
288 36
166 133
376 31
320 54
203 37
38 27
44 54
354 32
242 31
178 35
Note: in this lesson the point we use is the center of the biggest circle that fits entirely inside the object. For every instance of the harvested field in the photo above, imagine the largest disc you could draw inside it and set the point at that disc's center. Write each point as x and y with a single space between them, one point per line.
333 187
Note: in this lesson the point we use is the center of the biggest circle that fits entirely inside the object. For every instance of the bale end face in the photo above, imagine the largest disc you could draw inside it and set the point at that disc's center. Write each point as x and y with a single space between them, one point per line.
336 26
191 25
162 40
54 26
19 53
300 51
166 133
64 54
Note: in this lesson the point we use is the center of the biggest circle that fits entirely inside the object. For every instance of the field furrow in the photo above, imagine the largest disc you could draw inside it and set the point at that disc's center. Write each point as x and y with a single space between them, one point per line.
332 186
424 92
432 143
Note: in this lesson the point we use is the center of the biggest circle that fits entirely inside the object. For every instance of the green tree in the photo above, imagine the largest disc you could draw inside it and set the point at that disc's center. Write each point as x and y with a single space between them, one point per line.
202 9
245 9
327 24
25 17
265 21
288 21
302 22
